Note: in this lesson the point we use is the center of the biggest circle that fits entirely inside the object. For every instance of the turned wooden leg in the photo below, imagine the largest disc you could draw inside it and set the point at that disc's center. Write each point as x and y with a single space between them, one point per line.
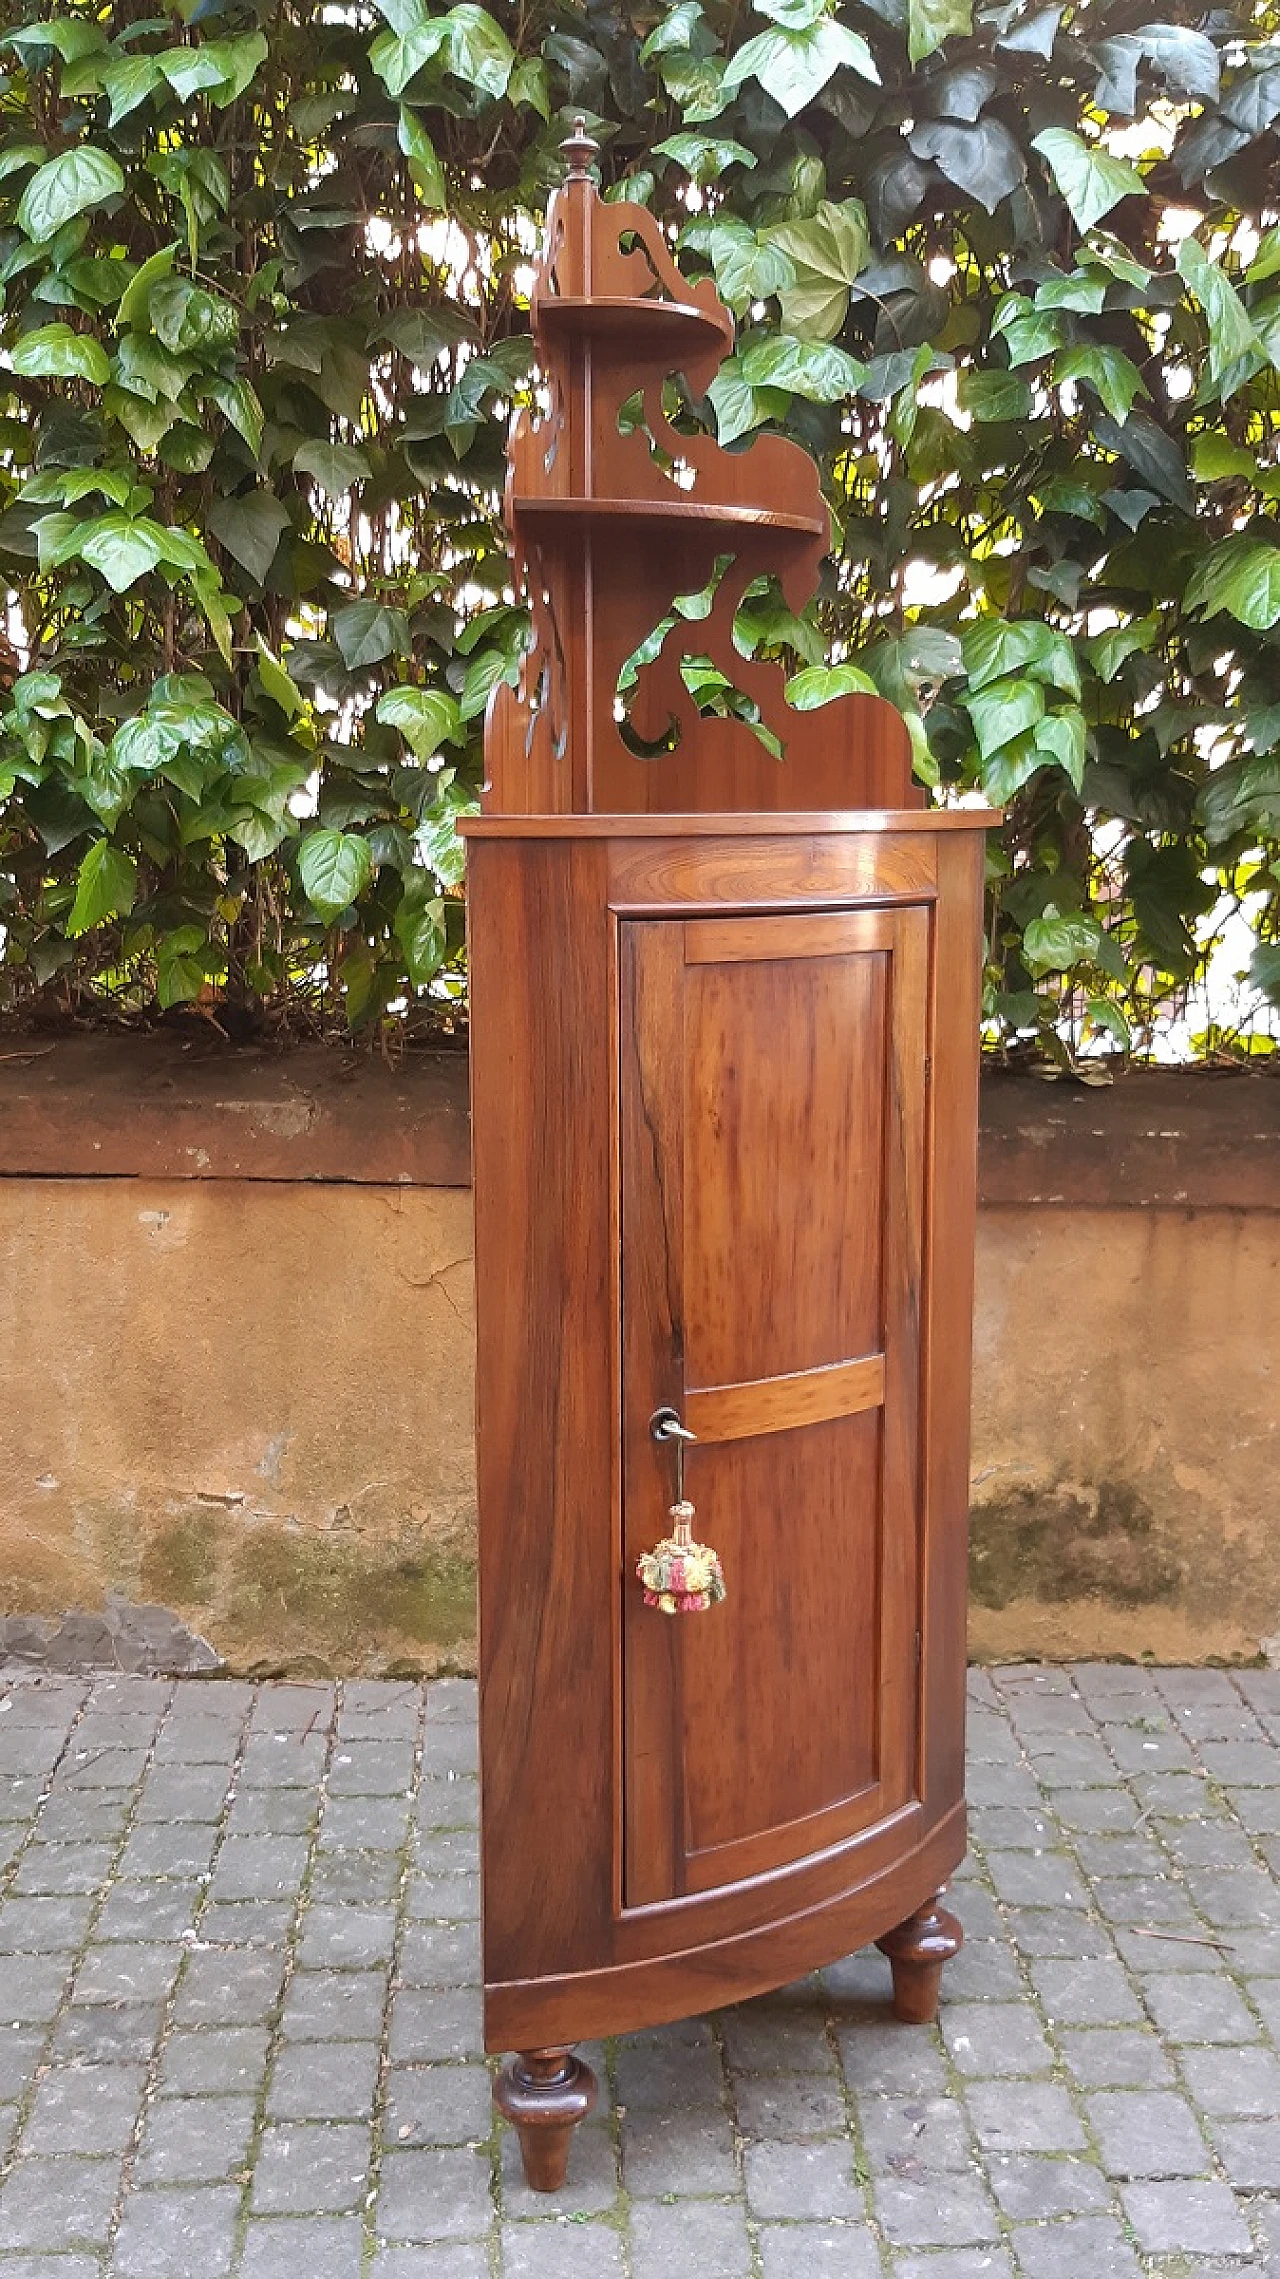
544 2094
917 1950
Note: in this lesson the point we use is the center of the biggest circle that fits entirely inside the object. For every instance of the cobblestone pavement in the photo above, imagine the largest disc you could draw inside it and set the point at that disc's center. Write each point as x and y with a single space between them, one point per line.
240 2025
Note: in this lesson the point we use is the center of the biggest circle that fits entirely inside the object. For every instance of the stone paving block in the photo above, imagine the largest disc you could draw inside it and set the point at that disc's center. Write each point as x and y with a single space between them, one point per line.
83 1769
213 2061
302 2247
444 1898
1103 2057
776 2037
1037 1879
1143 2132
247 1923
1133 1853
1144 1899
427 2023
448 1851
197 2140
20 1796
1096 1811
808 2251
1092 1992
1059 1932
346 1938
1138 1750
259 1867
945 2211
670 2068
983 1971
558 2251
1011 1828
128 1972
798 2180
53 1925
699 2237
74 1820
788 2105
912 2136
364 1824
228 1989
1249 2152
1199 2007
1200 2218
324 2081
166 2233
1241 1764
333 2005
1003 1784
884 2059
438 2104
1067 1762
1084 2247
447 2262
107 2033
1036 2186
956 2263
58 1868
371 1768
1257 1809
1244 2082
677 2152
20 2053
355 1879
448 1800
57 2203
979 1915
273 1812
1034 2116
307 2168
84 2109
1206 1843
1228 1897
292 1707
995 2038
283 1760
182 1793
440 1954
436 2195
148 1911
165 1848
51 2267
1177 1796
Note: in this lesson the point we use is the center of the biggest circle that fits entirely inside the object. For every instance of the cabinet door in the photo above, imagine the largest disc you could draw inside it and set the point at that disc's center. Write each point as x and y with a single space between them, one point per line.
772 1138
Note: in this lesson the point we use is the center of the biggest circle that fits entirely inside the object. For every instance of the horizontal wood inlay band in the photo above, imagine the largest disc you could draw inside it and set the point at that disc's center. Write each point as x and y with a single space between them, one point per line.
842 933
780 1404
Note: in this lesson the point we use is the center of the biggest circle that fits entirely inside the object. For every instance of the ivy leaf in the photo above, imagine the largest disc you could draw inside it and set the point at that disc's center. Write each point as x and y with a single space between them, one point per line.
398 58
420 930
1090 180
72 184
1061 737
1264 970
1057 941
991 396
1001 712
1242 577
827 253
794 67
56 352
70 37
1108 371
336 467
106 886
425 171
438 845
1235 351
335 867
820 373
127 82
368 631
983 160
1026 645
425 717
740 408
704 157
747 267
1108 651
277 683
123 548
823 684
479 50
930 22
251 528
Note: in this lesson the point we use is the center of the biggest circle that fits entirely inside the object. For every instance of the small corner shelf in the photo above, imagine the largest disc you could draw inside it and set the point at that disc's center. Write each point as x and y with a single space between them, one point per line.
553 514
647 329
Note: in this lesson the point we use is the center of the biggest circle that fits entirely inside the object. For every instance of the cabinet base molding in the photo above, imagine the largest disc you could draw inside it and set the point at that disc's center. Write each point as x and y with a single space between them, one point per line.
544 2094
917 1950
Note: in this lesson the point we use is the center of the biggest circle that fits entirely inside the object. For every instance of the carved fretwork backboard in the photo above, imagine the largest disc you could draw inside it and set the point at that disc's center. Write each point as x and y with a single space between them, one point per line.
611 518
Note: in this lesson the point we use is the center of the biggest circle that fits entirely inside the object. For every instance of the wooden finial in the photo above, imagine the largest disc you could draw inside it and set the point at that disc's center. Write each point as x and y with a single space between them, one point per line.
580 150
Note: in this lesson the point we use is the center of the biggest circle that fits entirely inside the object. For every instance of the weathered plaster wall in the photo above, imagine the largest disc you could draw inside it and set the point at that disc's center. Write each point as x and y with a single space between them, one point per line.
236 1364
249 1402
1126 1431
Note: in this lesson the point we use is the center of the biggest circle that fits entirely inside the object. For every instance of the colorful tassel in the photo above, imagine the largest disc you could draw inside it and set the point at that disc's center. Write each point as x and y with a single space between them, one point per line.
679 1575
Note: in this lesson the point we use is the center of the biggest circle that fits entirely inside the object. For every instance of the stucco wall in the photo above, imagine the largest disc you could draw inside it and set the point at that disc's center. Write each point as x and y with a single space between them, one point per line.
237 1369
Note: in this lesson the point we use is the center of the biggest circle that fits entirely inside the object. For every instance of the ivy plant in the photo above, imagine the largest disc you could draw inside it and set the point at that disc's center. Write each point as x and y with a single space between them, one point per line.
1010 272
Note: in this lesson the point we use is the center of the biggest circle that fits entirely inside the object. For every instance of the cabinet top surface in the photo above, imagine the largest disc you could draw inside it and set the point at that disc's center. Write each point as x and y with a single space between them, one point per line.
813 824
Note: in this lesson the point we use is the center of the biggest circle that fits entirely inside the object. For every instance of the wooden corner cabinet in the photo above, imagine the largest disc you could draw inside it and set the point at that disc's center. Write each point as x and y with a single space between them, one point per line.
724 974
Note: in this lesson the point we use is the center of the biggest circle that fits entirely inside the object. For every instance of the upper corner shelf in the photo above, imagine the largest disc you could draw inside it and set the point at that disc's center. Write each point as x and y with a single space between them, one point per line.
710 514
644 325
